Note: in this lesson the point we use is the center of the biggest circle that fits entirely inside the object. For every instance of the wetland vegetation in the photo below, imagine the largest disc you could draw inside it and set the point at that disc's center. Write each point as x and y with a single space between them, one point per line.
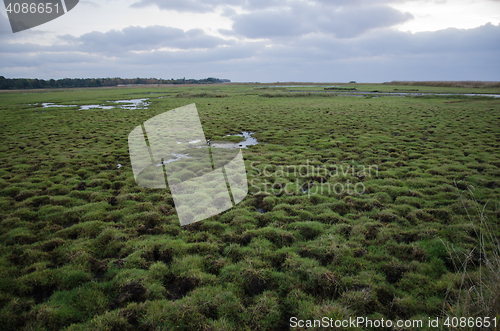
82 247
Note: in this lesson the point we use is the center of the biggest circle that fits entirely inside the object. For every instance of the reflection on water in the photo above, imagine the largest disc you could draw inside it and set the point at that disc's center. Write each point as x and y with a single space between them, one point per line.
176 157
53 105
133 104
124 104
249 141
87 107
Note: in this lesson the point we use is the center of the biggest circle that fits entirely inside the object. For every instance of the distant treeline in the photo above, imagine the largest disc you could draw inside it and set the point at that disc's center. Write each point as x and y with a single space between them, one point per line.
27 83
446 83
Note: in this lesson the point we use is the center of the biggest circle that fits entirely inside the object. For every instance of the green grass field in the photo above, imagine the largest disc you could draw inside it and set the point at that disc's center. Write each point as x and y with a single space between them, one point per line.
82 247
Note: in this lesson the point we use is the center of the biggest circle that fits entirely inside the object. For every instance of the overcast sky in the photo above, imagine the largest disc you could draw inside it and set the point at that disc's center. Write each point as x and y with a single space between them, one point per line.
261 40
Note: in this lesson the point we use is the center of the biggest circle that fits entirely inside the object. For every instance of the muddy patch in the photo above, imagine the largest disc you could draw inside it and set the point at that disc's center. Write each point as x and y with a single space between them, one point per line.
42 293
179 287
131 292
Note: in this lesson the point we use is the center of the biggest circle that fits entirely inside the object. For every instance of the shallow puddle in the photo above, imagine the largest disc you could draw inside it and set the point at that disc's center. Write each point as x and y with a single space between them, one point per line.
249 141
87 107
128 104
134 103
124 104
53 105
176 157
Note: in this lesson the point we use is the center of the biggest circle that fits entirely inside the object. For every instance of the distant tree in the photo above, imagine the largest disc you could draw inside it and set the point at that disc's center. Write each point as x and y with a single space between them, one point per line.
4 85
23 83
36 84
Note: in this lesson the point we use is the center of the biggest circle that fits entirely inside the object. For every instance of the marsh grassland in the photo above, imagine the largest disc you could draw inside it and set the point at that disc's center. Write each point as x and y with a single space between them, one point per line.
82 247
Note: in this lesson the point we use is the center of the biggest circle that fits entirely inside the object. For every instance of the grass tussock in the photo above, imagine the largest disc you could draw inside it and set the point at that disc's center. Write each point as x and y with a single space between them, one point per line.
477 269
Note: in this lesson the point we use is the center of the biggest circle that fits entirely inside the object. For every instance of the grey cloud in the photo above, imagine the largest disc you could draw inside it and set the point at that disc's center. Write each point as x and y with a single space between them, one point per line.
450 54
6 33
277 19
22 48
4 26
391 44
203 6
347 23
378 55
342 22
196 6
199 6
207 57
42 59
357 3
90 3
144 39
267 24
164 64
482 39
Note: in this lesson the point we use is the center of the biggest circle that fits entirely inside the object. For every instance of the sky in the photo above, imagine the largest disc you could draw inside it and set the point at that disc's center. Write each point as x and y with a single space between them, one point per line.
261 41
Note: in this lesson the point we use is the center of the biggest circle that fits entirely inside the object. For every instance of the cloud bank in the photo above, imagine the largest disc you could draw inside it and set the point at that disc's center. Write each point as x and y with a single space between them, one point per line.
324 41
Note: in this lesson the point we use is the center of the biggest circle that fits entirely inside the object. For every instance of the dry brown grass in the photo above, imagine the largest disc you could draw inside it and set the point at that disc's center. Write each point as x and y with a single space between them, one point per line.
469 83
479 294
